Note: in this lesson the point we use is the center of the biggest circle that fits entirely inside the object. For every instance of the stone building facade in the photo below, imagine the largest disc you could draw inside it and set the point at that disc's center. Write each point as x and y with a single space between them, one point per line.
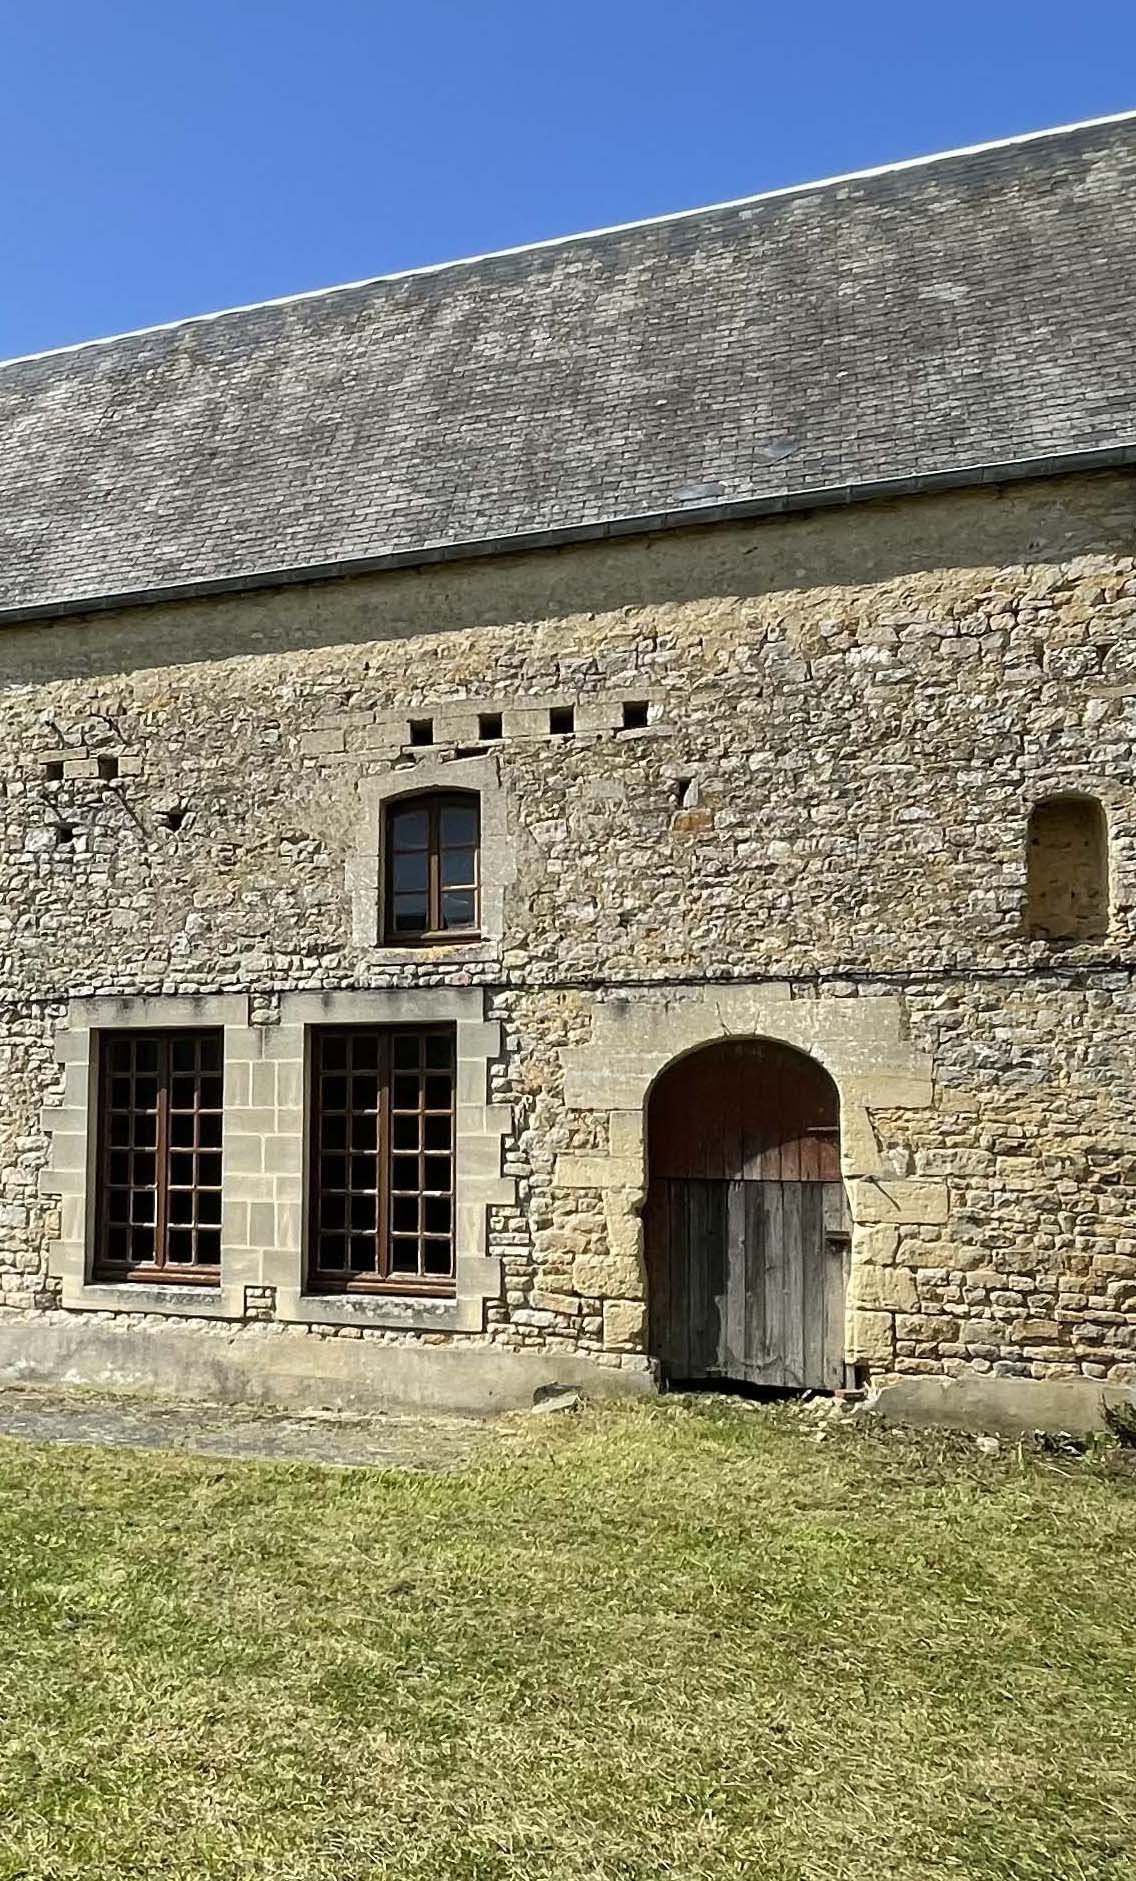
763 776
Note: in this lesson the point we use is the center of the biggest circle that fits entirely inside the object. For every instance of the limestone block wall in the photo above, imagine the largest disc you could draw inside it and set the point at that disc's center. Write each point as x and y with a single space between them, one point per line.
794 799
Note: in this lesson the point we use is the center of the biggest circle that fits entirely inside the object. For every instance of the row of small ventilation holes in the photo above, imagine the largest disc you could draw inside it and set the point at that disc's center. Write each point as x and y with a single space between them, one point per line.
561 722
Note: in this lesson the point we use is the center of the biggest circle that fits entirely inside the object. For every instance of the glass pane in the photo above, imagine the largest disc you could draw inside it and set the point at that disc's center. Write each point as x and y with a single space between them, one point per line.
181 1205
118 1055
437 1133
458 868
146 1054
404 1133
145 1168
409 914
119 1167
410 829
438 1258
180 1248
405 1051
332 1250
439 1091
404 1172
364 1091
120 1128
208 1247
145 1093
459 826
333 1132
363 1213
212 1094
333 1172
363 1131
182 1170
142 1205
404 1214
364 1051
439 1051
118 1245
437 1172
457 908
436 1216
145 1130
362 1254
405 1093
404 1256
142 1245
181 1129
333 1052
333 1211
209 1208
210 1052
118 1205
364 1172
120 1093
333 1095
182 1093
409 872
209 1170
183 1054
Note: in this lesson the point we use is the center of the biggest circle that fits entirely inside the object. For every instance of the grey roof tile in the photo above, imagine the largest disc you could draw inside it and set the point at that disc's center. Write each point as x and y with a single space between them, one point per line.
969 311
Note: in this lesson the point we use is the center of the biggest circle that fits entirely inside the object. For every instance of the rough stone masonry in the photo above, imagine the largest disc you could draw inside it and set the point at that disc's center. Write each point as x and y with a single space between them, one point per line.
762 775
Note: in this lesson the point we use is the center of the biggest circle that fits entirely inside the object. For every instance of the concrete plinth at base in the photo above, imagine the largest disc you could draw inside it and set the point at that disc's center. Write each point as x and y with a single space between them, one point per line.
295 1373
1005 1407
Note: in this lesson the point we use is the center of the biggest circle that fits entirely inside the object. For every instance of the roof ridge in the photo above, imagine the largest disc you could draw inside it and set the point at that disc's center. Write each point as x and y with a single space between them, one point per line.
580 235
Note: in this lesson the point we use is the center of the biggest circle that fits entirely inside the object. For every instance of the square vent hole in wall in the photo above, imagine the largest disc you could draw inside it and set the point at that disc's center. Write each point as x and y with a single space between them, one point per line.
489 726
421 731
636 713
562 720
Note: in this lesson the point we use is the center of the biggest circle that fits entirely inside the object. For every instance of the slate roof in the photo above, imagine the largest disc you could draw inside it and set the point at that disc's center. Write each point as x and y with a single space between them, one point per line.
936 320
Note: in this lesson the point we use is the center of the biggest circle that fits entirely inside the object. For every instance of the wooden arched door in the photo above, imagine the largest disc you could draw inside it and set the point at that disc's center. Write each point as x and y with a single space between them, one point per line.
746 1222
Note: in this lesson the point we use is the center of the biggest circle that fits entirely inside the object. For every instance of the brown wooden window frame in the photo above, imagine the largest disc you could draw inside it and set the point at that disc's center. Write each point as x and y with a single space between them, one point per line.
381 1191
139 1181
434 803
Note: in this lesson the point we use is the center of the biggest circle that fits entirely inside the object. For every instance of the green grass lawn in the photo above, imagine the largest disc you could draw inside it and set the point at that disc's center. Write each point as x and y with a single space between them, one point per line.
688 1642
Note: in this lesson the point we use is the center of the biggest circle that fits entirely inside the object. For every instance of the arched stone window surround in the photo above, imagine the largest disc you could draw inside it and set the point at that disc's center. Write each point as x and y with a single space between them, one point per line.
365 867
860 1042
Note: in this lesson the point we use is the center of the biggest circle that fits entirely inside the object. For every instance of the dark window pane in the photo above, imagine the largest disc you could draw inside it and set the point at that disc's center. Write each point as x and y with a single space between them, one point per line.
459 869
118 1205
333 1172
142 1205
120 1167
364 1130
334 1094
363 1213
364 1091
438 1132
404 1092
439 1051
145 1133
364 1172
209 1207
410 872
333 1211
145 1168
120 1093
457 908
180 1248
333 1131
146 1055
439 1093
145 1093
142 1245
181 1205
362 1254
410 829
404 1132
404 1051
332 1250
120 1128
183 1169
181 1129
118 1245
404 1172
365 1051
437 1258
404 1256
209 1247
212 1094
436 1214
209 1129
209 1170
211 1051
333 1052
458 826
404 1214
437 1172
410 914
183 1092
119 1055
183 1054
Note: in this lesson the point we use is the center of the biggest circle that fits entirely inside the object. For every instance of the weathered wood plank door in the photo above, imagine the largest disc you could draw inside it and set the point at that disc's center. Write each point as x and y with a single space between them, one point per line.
746 1223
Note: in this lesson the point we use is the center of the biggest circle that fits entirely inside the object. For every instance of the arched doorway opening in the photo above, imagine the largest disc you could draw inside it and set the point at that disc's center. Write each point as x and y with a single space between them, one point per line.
746 1225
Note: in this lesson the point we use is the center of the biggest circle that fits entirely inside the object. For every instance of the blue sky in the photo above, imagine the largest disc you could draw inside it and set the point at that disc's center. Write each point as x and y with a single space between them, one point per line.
160 159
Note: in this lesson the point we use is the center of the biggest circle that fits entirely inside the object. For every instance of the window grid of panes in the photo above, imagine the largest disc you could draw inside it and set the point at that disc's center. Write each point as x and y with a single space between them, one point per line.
432 867
160 1156
382 1192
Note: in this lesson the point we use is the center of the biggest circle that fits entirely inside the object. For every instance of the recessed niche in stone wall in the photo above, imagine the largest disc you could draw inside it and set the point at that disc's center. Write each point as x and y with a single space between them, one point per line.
1067 870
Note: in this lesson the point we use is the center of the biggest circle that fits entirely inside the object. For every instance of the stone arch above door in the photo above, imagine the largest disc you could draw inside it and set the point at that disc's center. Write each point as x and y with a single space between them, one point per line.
861 1042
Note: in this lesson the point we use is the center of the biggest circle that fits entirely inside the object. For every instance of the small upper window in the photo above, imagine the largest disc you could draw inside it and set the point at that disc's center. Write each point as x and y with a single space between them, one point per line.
432 844
1067 870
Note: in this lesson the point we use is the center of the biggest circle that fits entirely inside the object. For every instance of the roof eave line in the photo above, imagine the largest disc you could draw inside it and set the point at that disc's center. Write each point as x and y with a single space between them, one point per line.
691 516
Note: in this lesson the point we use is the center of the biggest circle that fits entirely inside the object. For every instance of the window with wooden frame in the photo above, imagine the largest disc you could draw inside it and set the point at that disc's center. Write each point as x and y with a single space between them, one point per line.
160 1118
381 1201
432 867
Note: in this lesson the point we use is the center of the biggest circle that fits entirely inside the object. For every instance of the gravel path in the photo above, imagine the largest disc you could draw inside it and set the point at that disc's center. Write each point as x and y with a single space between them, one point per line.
407 1442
